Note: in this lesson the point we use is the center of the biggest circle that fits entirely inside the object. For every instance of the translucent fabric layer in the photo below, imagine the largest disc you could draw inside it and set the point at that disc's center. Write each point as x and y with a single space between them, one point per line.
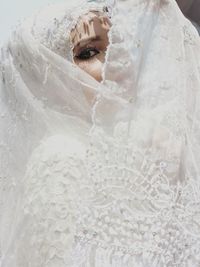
109 180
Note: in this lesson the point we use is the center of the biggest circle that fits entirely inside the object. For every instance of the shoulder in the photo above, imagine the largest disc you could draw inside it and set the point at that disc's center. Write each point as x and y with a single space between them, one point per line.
58 146
55 157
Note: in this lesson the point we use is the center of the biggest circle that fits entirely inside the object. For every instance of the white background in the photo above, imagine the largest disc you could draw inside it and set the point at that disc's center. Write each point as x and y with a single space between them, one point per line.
11 11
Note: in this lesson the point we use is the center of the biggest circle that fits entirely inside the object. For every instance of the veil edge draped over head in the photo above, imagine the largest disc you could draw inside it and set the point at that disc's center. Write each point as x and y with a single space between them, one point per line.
148 104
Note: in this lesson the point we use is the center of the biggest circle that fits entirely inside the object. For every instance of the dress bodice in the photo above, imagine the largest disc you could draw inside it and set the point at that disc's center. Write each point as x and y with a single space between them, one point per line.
108 204
137 211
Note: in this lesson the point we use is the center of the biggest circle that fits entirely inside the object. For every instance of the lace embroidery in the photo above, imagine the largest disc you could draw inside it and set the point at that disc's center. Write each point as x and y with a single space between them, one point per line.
134 206
117 202
55 35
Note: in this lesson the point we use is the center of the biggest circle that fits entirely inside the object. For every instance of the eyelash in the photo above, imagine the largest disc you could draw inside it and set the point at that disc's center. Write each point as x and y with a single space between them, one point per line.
85 53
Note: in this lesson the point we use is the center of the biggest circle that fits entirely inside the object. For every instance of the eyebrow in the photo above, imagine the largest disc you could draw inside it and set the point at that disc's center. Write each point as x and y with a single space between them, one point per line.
87 40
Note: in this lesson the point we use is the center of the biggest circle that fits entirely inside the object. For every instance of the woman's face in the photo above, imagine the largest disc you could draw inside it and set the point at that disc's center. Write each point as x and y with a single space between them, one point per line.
90 42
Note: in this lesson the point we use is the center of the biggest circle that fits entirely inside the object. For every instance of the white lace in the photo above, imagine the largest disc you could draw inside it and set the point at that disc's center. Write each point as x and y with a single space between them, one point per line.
113 182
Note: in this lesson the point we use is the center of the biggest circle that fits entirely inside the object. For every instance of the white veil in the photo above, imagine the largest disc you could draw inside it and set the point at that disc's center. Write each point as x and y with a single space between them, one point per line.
147 106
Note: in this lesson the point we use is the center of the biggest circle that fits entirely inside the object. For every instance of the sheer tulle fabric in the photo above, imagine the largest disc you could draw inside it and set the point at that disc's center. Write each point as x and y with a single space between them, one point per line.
110 180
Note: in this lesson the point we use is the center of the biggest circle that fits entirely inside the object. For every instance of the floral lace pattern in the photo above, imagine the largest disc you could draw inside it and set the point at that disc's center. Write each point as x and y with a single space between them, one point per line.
124 192
111 204
54 34
134 208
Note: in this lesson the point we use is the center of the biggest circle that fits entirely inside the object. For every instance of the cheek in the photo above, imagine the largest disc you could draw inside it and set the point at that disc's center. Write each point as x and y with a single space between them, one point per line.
92 67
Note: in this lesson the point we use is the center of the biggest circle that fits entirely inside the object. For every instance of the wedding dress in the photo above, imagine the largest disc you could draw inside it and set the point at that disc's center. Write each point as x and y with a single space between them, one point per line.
112 182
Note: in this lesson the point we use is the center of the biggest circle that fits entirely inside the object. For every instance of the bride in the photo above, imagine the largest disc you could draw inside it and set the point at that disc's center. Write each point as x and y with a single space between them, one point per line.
100 128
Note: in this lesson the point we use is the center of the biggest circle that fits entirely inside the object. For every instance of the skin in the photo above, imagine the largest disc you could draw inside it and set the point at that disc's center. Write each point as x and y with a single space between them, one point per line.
90 42
90 37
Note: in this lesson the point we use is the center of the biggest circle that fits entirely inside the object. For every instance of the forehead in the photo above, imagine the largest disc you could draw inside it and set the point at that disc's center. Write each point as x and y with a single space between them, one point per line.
90 25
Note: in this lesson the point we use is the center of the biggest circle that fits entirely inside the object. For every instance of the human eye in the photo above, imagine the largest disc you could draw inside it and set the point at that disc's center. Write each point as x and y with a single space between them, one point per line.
87 53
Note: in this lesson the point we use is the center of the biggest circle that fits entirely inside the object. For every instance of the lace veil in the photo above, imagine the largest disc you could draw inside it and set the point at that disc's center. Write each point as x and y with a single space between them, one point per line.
148 101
